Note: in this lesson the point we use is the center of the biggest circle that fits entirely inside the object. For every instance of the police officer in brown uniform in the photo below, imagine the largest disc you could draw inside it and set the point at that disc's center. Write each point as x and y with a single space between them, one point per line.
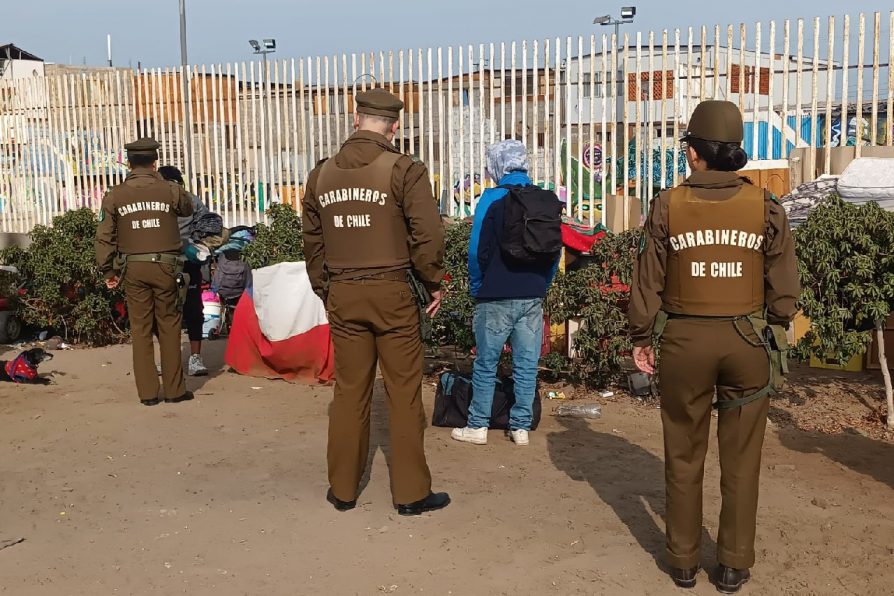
716 282
369 219
138 239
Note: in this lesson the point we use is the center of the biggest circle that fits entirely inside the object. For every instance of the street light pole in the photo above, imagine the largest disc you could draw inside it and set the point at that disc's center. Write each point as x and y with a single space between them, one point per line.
185 85
268 47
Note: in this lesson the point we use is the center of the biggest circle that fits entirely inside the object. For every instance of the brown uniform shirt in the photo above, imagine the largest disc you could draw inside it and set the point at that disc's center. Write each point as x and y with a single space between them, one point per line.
782 287
410 186
139 216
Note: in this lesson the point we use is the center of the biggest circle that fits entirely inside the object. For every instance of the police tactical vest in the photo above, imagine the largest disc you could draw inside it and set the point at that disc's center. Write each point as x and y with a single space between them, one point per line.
715 260
363 224
146 217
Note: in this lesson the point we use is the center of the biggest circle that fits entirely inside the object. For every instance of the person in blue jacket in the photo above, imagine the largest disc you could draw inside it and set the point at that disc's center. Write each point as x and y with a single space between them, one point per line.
509 304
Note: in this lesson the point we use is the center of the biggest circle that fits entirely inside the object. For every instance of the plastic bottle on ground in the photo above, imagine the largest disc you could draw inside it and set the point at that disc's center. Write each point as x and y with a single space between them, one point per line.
580 410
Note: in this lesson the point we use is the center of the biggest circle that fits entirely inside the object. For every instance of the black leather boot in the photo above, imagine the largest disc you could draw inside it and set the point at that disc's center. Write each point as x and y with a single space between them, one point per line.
729 580
338 503
684 578
432 502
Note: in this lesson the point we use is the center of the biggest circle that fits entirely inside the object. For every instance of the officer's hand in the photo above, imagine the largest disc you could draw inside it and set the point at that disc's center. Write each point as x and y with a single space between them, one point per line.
112 282
435 305
644 358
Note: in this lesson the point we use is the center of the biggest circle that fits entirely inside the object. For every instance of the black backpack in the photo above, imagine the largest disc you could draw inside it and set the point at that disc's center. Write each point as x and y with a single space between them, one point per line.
454 396
532 225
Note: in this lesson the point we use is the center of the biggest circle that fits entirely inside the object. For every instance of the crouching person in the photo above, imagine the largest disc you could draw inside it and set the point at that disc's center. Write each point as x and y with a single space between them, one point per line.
513 256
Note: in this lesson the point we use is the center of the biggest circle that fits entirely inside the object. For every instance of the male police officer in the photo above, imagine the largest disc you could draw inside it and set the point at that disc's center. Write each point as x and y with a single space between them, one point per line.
369 220
716 281
138 239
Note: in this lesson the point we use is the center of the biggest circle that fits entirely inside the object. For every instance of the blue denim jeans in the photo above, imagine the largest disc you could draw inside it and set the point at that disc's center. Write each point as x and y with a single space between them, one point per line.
521 322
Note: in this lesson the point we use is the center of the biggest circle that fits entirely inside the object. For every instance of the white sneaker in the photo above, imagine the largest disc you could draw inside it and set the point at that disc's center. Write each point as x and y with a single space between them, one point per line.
519 437
476 436
196 367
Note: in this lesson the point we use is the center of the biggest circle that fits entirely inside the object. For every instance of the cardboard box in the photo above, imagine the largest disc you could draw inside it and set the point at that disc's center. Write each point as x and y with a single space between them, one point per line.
614 213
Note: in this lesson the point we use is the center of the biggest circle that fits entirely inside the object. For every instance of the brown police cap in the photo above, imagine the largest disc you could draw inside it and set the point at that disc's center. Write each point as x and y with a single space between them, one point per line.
144 146
378 102
719 121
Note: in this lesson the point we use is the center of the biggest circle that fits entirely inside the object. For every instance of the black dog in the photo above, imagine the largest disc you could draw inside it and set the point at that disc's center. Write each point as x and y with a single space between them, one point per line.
23 368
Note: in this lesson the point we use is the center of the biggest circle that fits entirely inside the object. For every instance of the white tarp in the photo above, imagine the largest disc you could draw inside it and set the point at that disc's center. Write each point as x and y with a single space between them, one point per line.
285 302
868 179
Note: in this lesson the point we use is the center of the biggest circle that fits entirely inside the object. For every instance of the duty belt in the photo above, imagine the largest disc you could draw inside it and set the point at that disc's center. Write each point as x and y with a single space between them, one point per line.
771 337
165 258
387 275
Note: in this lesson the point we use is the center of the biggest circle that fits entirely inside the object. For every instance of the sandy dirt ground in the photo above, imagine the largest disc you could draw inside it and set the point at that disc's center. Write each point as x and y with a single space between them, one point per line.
224 495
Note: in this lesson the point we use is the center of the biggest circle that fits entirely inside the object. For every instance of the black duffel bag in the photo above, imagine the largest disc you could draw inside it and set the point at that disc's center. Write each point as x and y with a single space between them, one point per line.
454 396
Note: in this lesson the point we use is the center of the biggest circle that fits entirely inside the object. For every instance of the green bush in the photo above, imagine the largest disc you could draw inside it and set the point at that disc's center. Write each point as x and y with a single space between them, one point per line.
597 296
846 267
64 290
279 241
453 324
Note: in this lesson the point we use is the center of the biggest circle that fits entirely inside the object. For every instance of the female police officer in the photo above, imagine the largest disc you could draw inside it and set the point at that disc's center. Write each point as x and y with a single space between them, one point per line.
715 277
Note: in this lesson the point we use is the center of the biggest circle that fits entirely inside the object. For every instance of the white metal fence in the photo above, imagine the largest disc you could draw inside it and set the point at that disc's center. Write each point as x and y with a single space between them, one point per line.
599 115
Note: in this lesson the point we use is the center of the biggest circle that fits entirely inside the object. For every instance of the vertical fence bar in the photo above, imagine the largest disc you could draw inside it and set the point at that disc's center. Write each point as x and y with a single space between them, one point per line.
591 139
482 109
785 86
288 126
191 165
625 181
535 111
729 63
756 90
460 157
235 167
703 93
799 69
214 134
873 133
241 178
677 89
830 98
889 129
419 95
547 90
227 167
303 116
638 129
441 131
524 94
664 98
649 125
254 157
472 129
580 125
861 59
716 65
770 93
557 121
447 185
431 111
608 90
279 78
743 32
503 91
813 102
513 93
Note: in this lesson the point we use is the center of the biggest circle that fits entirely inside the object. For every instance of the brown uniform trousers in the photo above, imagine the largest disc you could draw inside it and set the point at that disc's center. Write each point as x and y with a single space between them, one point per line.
151 292
697 357
376 320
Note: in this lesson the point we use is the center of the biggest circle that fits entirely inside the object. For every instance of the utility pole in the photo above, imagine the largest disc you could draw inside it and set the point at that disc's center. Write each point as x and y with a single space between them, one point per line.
186 91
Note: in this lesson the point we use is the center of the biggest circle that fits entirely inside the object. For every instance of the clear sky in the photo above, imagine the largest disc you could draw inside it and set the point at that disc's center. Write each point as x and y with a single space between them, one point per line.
148 32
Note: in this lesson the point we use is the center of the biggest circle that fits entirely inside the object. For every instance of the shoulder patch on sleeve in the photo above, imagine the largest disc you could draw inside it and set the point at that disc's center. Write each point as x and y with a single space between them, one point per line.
321 162
102 214
642 242
773 198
